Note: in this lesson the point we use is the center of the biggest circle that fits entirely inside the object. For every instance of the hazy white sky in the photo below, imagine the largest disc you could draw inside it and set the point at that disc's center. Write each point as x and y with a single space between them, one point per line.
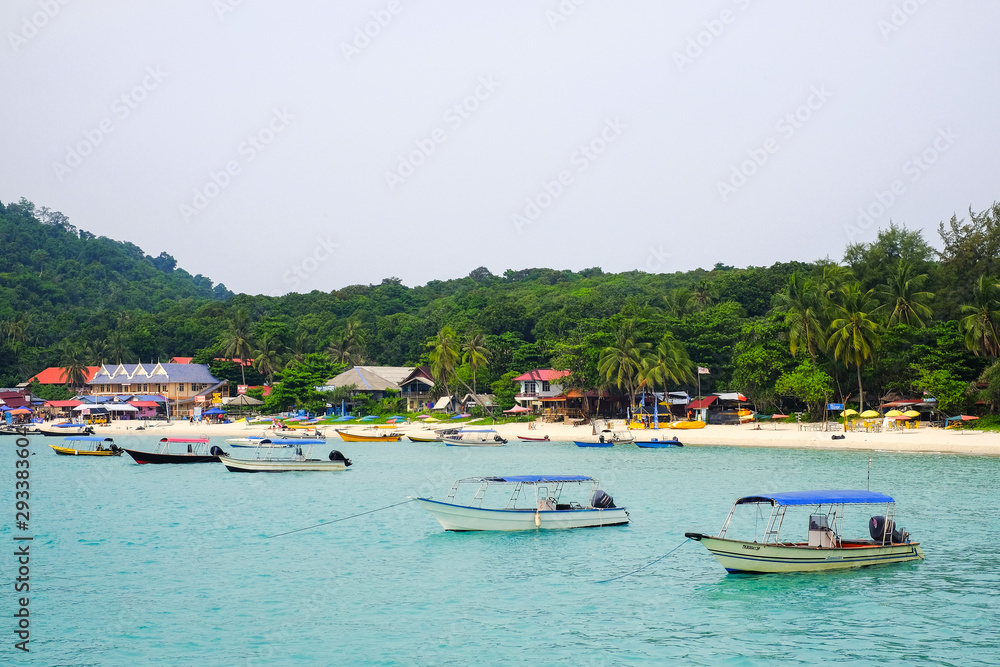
278 147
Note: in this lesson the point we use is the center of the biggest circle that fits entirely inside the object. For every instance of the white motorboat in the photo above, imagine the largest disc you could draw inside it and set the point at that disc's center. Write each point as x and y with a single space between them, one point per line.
824 548
260 441
532 502
267 459
474 437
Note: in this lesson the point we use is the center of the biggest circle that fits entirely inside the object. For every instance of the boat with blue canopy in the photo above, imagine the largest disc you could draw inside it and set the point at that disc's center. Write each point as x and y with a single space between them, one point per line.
474 437
824 547
525 502
88 445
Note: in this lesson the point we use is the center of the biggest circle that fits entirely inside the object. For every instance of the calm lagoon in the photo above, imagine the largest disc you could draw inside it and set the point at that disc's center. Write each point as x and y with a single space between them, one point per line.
171 564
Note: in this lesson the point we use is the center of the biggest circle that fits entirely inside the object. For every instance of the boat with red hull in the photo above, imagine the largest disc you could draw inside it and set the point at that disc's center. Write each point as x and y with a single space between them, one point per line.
530 438
197 451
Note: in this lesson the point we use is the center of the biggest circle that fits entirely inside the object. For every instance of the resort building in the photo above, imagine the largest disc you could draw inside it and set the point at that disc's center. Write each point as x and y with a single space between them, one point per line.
416 388
375 382
541 386
180 384
57 375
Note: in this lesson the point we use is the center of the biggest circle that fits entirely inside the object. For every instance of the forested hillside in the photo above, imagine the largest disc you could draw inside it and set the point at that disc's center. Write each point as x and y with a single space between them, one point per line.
893 314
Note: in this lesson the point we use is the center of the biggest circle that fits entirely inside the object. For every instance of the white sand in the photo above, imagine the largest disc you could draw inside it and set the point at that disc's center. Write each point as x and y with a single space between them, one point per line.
770 435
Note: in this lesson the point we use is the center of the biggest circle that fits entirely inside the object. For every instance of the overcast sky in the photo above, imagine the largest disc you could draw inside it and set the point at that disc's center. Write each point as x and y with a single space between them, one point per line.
281 147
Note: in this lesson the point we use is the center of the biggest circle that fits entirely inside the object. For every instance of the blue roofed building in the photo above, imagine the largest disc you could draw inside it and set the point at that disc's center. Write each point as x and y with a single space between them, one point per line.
180 384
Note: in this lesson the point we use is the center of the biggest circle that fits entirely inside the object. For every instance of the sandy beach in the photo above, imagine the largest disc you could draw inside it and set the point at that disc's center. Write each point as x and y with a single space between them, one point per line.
928 440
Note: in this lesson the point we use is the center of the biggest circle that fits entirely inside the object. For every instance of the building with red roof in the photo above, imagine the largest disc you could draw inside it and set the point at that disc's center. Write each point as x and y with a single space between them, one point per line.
57 375
538 386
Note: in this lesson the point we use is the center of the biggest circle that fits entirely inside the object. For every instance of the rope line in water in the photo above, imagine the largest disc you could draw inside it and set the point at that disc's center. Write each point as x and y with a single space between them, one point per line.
327 523
647 564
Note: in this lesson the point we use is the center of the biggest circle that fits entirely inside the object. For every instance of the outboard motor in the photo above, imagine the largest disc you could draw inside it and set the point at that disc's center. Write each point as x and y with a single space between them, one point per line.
601 439
337 456
878 530
217 451
601 500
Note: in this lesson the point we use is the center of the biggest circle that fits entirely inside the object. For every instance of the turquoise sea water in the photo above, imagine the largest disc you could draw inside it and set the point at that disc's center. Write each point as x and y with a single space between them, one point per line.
170 564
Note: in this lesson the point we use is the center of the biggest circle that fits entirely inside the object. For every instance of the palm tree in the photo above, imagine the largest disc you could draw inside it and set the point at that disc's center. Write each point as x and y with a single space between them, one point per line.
118 348
236 342
902 299
623 361
74 368
679 302
853 333
669 364
444 356
981 323
96 352
300 346
703 295
475 354
346 348
267 356
802 307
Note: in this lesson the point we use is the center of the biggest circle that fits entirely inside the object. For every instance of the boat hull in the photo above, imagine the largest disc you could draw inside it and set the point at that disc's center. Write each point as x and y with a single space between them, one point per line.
459 442
414 438
353 437
530 439
686 425
464 518
68 451
244 465
657 444
756 558
152 457
580 443
55 431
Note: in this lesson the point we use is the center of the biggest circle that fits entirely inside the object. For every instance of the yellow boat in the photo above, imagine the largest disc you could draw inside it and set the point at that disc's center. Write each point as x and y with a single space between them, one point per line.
694 423
372 437
101 446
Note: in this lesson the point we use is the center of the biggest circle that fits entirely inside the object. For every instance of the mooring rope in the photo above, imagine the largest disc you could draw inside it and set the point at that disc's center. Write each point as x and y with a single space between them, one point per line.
647 564
327 523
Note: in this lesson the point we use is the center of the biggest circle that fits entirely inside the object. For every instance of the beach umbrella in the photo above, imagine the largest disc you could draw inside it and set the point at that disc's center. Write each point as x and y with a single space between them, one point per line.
368 417
422 416
779 416
893 413
848 413
516 409
397 417
431 419
911 413
868 414
759 416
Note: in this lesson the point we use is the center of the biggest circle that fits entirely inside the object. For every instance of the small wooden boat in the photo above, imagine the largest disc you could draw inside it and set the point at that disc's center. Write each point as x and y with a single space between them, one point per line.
415 438
373 436
64 430
523 510
197 451
593 443
824 548
474 437
88 445
607 438
528 438
654 443
268 460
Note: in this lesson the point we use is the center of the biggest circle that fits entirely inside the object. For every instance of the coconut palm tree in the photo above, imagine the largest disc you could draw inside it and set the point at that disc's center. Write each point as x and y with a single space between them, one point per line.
266 358
981 324
623 361
445 351
902 300
118 349
475 354
668 364
703 295
346 347
802 307
301 346
236 343
679 302
854 334
74 369
96 352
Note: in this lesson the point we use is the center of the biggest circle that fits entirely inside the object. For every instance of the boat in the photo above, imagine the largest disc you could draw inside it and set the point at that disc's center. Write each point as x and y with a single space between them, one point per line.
474 437
532 502
197 451
65 429
98 446
257 441
267 461
655 443
416 438
607 438
825 548
688 424
529 438
373 436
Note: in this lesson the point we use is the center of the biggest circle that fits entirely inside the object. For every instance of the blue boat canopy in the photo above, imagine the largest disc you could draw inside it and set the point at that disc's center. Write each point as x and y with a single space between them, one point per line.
532 479
87 438
817 498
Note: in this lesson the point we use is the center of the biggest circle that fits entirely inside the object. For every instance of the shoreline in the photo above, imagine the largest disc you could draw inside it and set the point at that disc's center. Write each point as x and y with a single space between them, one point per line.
924 440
